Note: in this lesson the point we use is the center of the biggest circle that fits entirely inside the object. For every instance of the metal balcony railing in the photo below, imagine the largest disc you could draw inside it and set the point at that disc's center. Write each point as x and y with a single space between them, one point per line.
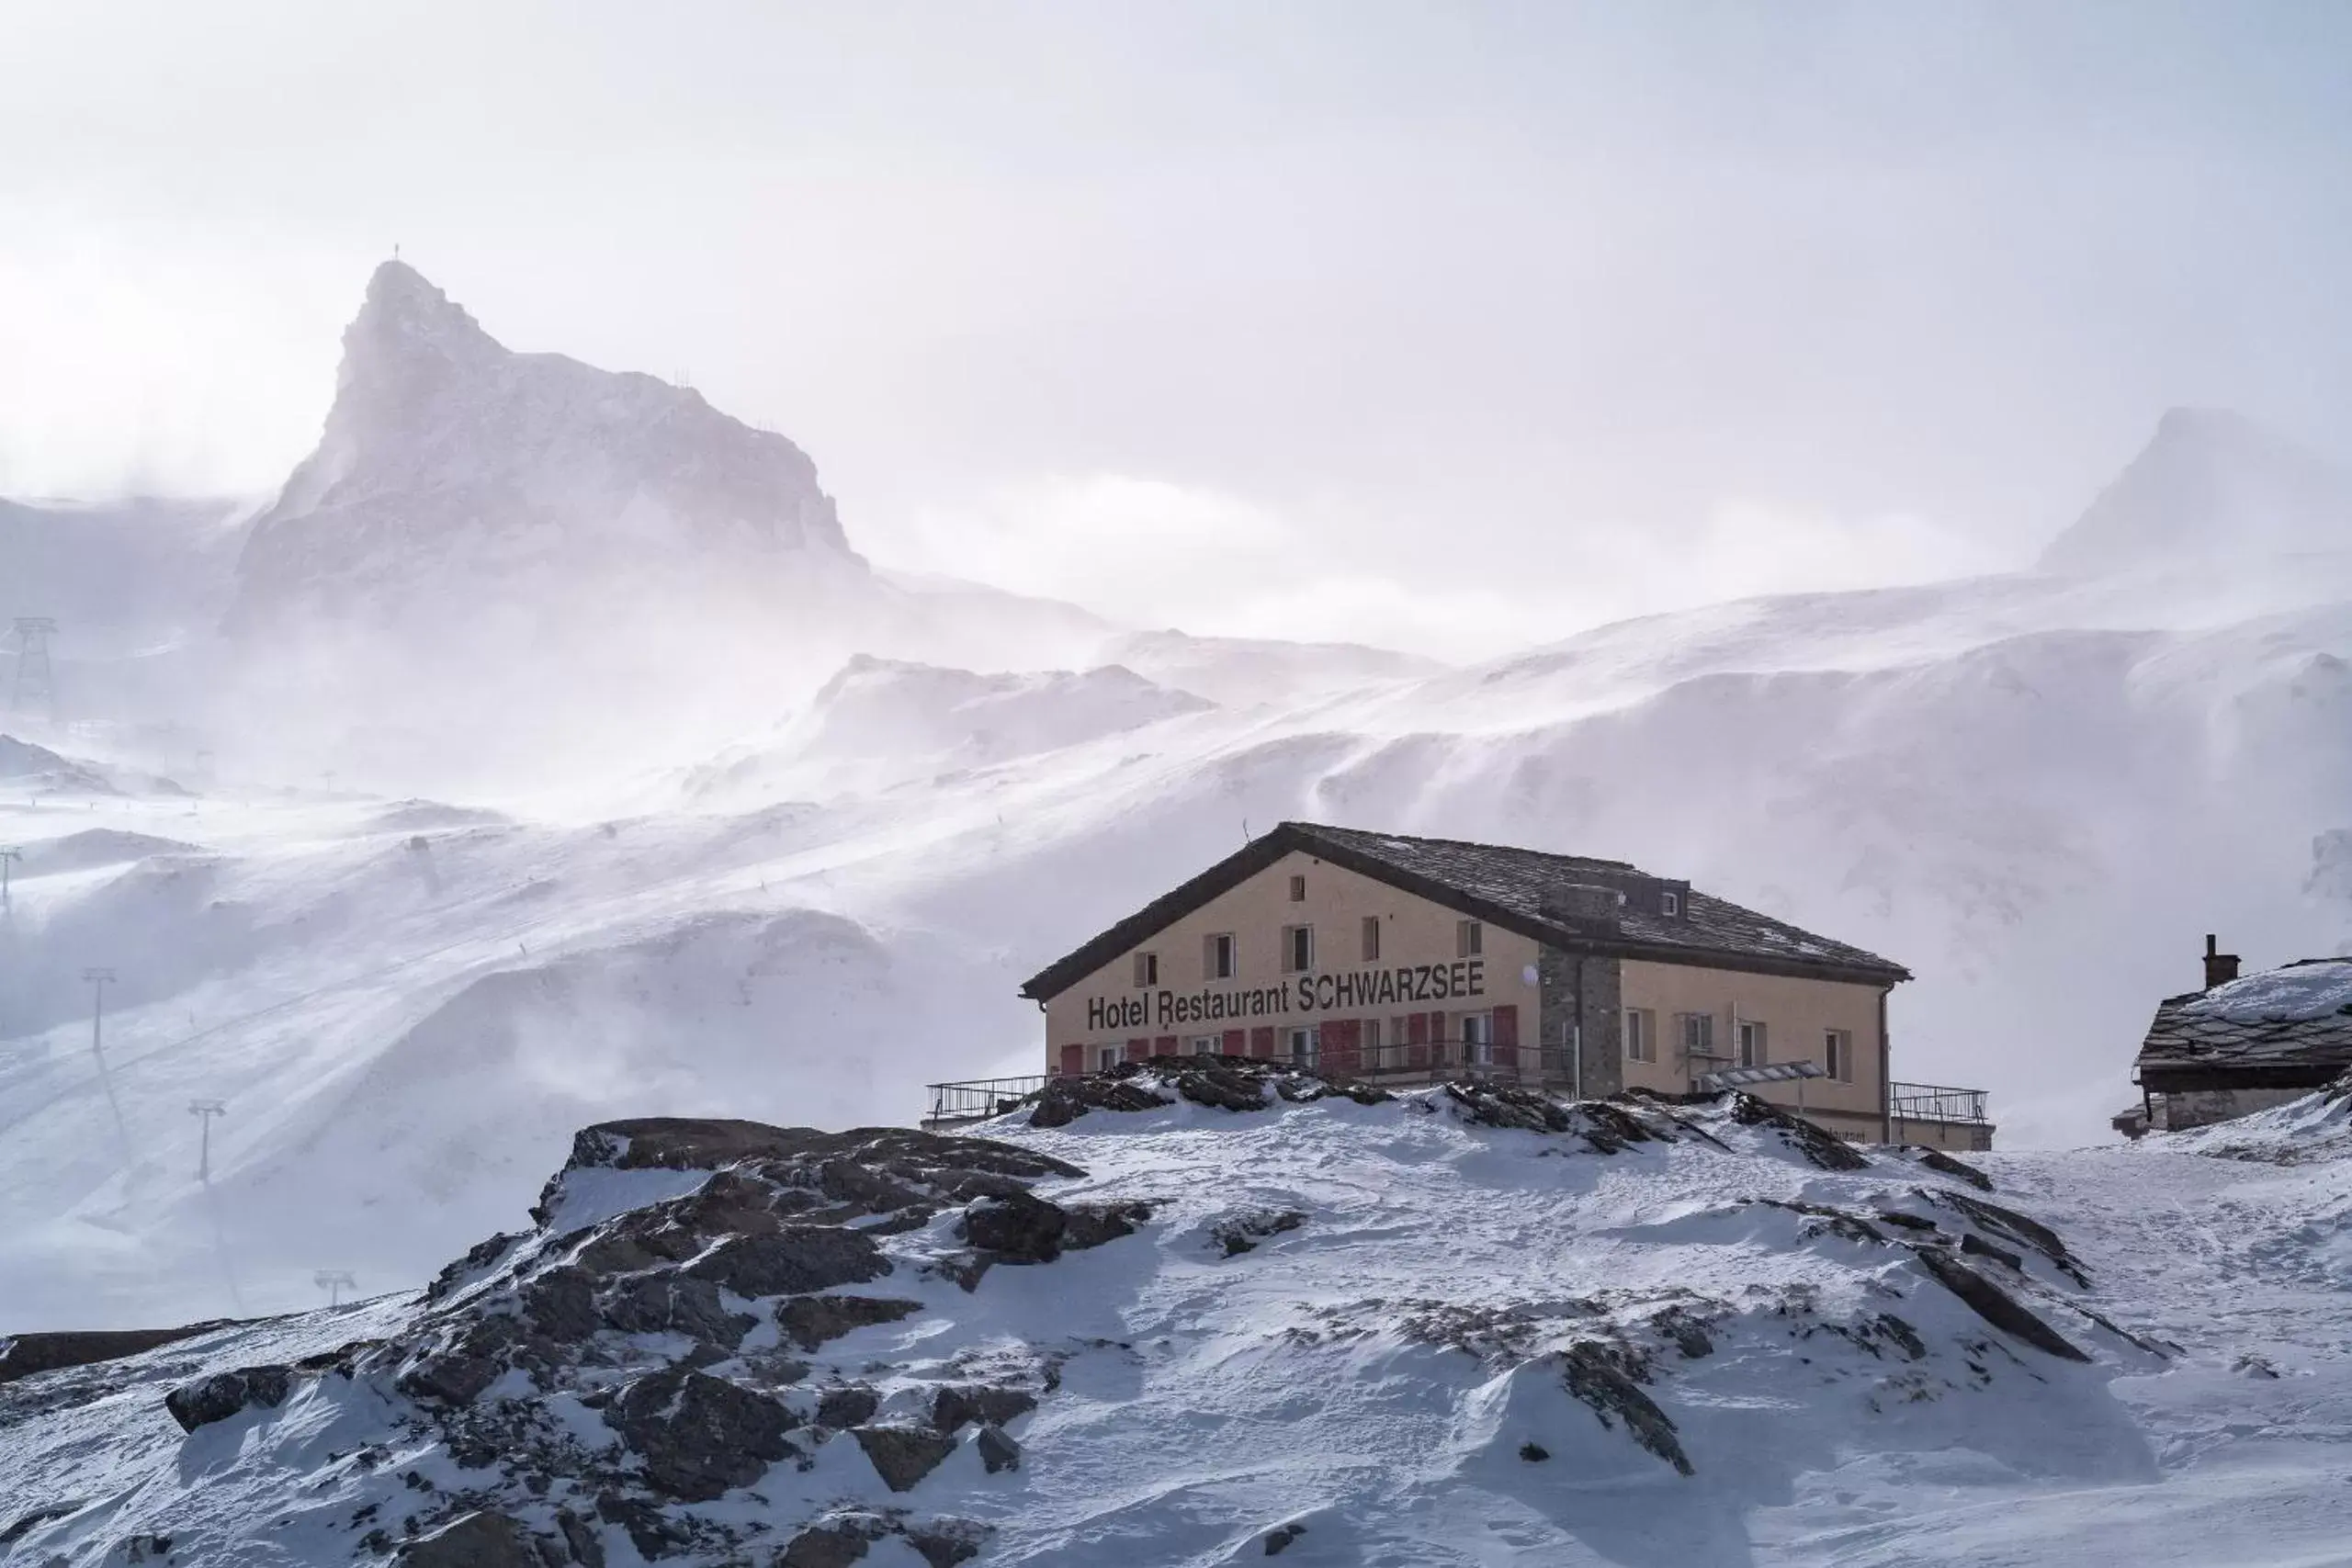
977 1098
1933 1103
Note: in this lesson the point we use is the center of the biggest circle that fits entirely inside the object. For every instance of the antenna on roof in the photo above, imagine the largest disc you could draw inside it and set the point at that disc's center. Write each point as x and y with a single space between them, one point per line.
1245 830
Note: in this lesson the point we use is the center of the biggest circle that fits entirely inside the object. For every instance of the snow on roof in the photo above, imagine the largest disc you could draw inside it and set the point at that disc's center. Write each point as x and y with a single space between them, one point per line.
2316 987
2286 1027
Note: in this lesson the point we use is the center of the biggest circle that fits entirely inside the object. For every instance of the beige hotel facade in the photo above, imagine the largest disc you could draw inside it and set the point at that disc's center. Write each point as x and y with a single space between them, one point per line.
1401 959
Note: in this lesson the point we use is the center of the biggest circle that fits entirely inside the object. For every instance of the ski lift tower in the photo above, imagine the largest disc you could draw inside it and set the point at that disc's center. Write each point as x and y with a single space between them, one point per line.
36 679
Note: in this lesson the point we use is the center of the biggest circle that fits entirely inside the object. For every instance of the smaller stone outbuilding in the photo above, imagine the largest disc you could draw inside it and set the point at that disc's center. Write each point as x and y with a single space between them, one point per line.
2242 1045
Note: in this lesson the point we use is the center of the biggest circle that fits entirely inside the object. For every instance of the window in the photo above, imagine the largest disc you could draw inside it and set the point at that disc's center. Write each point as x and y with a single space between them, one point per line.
1751 1044
1837 1054
1298 949
1147 969
1109 1058
1371 939
1204 1045
1217 956
1669 903
1477 1037
1640 1035
1697 1033
1298 890
1302 1044
1469 939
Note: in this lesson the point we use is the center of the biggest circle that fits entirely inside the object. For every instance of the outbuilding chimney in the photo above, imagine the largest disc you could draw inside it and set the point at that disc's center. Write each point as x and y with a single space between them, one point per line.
2221 968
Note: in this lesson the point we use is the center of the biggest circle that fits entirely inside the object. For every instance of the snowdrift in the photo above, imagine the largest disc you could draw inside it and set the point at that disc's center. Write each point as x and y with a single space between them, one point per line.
1204 1312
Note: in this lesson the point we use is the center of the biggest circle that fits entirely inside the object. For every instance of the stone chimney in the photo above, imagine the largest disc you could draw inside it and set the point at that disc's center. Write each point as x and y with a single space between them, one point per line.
1584 904
2221 968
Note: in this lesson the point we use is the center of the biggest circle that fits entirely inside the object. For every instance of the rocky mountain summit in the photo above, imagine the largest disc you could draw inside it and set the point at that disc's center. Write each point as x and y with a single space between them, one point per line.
454 468
2209 486
1193 1311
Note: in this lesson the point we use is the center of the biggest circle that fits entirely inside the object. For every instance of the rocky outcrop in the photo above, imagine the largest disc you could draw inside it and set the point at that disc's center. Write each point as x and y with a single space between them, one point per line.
811 1321
1226 1083
699 1435
1019 1227
1593 1376
474 1540
903 1455
1996 1305
224 1394
23 1355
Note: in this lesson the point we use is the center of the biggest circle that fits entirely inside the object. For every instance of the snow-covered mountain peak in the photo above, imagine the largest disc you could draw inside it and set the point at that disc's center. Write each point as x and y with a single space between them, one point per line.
2211 484
451 464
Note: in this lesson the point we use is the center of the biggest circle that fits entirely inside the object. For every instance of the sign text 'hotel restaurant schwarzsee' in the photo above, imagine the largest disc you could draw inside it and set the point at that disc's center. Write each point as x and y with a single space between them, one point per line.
1307 994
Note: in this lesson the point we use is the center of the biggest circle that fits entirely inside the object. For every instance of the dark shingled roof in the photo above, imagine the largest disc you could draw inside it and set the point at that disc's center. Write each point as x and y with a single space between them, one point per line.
2190 1046
1510 889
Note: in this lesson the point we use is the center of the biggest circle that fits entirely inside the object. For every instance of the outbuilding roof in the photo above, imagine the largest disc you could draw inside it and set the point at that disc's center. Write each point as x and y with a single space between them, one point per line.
1517 890
2286 1027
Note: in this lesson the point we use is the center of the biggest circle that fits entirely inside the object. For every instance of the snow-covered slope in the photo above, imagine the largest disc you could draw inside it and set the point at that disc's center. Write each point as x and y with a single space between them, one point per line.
1242 1317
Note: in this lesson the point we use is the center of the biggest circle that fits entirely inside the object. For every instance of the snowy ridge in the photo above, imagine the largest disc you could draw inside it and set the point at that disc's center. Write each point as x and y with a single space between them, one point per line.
1456 1326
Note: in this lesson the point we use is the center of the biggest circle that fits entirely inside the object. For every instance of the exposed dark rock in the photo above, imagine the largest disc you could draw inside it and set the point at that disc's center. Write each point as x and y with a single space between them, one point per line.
474 1540
1893 1328
902 1456
1823 1148
810 1321
1944 1165
456 1375
852 1404
1977 1247
561 1304
1021 1228
1281 1536
2017 1227
1244 1231
674 1304
224 1394
826 1546
1897 1218
1506 1105
22 1355
945 1543
999 1451
1064 1100
1593 1377
700 1435
580 1539
25 1524
1686 1329
1092 1224
798 1258
1610 1127
1221 1086
478 1257
952 1407
1993 1304
1534 1453
1837 1221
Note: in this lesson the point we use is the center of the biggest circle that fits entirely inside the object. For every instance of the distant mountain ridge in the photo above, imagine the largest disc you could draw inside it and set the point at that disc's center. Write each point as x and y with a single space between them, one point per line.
450 463
2211 484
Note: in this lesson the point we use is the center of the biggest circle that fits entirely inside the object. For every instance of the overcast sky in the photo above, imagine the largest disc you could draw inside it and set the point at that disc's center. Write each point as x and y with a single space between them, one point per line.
1447 326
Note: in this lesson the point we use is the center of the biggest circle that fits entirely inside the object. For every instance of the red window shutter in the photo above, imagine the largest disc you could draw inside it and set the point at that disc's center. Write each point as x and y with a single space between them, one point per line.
1236 1042
1506 1035
1073 1061
1164 1047
1419 1025
1139 1049
1261 1041
1343 1047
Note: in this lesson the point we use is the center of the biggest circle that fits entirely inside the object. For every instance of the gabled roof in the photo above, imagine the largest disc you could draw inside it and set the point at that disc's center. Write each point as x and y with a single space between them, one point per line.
2286 1027
1509 888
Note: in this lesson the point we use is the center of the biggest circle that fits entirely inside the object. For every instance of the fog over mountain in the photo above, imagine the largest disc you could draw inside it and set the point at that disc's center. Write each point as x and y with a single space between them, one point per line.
553 754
